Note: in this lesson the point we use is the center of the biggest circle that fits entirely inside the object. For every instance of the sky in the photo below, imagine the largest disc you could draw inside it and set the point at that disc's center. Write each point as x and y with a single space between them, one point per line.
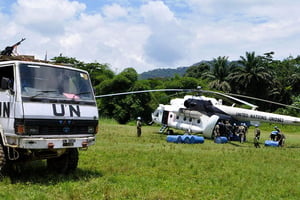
150 34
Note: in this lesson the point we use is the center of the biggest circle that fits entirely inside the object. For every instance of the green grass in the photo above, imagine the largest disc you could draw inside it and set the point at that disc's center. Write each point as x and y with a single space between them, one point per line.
123 166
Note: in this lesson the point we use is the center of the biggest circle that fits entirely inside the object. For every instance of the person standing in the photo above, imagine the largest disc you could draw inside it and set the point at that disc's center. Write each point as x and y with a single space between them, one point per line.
241 133
139 127
217 131
256 136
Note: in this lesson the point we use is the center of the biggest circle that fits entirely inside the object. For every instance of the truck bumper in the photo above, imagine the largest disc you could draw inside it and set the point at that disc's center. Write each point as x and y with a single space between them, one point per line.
54 143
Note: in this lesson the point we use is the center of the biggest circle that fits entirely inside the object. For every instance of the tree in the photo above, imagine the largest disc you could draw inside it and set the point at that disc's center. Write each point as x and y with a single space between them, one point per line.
126 107
252 77
218 75
197 70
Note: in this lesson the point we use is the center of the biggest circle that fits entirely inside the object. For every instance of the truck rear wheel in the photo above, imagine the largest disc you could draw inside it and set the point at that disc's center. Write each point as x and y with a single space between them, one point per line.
64 163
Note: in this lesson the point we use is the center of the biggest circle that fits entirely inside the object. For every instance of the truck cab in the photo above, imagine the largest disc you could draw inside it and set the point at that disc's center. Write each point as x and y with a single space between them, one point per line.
47 111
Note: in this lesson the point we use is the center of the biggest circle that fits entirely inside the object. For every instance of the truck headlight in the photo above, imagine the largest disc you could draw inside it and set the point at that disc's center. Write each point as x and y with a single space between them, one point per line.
91 129
32 130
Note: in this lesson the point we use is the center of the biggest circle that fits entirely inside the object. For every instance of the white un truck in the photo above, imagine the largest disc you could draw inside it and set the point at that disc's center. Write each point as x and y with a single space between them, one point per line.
47 111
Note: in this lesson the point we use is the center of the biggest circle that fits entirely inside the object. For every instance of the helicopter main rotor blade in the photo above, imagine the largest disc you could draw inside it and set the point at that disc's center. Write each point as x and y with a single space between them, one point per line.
233 98
199 90
264 100
143 91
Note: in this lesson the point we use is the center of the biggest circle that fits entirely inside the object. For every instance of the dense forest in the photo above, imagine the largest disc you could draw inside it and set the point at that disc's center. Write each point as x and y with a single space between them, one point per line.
258 76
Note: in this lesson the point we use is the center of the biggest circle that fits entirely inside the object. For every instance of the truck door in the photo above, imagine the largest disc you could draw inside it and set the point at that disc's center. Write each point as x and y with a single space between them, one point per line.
7 96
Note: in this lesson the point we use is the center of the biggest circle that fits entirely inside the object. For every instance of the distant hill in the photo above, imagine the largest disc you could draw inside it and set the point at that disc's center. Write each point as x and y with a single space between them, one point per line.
163 73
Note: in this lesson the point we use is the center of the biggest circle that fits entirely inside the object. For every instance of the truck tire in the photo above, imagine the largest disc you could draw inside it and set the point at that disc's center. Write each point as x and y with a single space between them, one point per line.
2 159
73 159
64 163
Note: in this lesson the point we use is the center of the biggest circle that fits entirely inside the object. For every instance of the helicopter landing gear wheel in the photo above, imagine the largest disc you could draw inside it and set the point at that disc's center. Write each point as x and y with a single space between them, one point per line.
65 163
170 132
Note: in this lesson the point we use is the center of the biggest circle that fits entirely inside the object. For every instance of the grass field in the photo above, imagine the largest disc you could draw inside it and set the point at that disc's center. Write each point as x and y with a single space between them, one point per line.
122 166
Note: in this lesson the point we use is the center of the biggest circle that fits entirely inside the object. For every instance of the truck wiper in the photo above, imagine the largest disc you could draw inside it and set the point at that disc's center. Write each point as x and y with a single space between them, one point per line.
42 92
79 94
87 92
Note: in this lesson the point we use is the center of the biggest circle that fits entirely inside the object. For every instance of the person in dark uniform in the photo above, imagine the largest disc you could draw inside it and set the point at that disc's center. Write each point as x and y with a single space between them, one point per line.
139 127
280 139
256 136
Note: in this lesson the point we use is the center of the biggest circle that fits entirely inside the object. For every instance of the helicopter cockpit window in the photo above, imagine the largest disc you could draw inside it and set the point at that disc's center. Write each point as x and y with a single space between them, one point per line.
156 113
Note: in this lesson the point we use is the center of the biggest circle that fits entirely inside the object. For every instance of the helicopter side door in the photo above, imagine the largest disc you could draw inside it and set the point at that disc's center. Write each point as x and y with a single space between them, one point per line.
165 118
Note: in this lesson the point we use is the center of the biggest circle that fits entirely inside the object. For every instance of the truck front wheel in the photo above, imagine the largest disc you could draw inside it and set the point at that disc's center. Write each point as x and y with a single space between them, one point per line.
2 159
64 163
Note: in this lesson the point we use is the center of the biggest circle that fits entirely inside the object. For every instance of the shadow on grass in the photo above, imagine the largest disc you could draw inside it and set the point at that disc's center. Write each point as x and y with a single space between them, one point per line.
235 144
37 173
292 147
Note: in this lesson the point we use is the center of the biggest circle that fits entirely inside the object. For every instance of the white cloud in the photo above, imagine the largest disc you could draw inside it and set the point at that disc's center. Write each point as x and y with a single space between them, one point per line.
168 40
46 16
114 11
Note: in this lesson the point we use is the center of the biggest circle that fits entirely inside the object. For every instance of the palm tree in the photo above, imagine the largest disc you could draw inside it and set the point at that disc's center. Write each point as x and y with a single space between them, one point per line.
218 75
252 77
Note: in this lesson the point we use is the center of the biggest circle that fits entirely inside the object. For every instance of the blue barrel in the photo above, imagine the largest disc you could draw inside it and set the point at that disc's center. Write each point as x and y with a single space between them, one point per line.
179 139
271 143
192 139
221 140
198 139
186 139
173 138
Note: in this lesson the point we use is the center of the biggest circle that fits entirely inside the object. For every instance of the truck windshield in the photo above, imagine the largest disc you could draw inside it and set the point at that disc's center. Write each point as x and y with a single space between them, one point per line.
50 82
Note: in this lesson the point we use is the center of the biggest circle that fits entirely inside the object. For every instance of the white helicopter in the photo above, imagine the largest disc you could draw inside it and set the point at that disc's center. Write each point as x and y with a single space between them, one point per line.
200 114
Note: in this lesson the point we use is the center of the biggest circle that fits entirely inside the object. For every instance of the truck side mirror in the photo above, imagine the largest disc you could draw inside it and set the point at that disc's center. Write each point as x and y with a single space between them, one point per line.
4 83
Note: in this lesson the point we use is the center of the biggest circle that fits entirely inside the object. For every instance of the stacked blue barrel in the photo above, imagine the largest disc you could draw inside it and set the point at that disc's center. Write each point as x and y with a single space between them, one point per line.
187 139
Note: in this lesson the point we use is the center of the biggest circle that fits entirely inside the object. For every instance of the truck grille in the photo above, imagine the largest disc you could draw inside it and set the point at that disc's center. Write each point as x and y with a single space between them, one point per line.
57 127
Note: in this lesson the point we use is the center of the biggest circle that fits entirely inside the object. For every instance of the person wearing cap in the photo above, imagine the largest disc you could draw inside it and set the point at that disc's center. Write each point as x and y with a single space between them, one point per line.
139 127
256 136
